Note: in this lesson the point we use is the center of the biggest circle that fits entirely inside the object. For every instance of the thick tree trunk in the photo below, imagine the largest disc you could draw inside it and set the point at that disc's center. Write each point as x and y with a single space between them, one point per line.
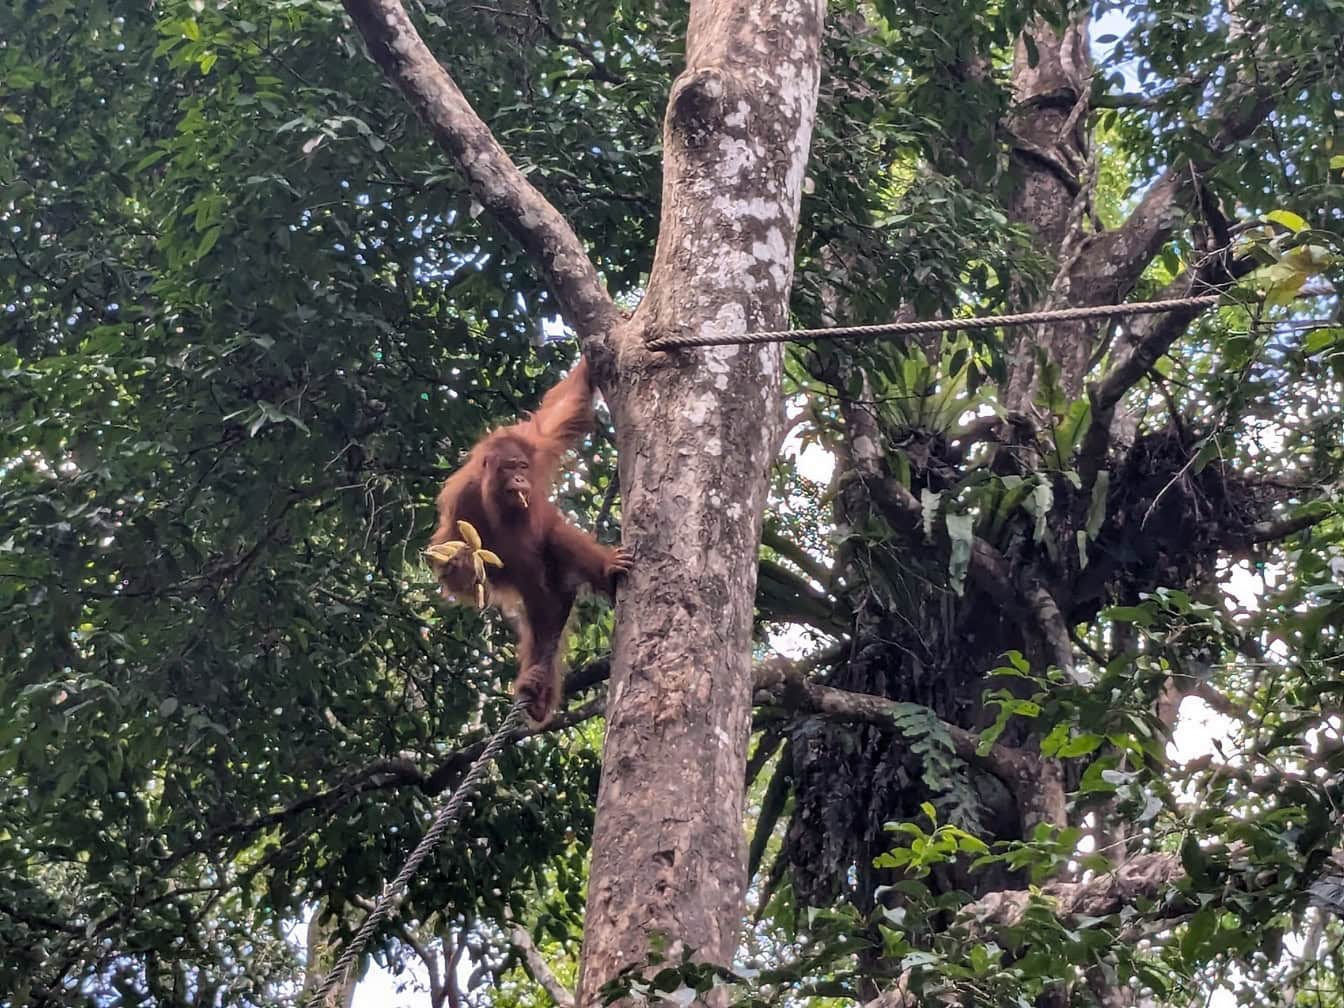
1050 151
697 433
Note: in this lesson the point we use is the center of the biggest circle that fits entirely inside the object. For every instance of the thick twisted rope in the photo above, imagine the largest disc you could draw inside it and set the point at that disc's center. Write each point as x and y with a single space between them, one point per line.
935 325
393 891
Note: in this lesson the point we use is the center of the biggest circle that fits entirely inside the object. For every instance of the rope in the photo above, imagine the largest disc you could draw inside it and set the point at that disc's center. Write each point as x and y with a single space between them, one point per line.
935 325
393 891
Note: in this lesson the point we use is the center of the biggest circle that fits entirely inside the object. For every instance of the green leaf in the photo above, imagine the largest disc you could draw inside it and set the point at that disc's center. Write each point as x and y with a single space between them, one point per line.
151 159
1211 449
1319 340
1288 219
1081 744
1094 779
1051 743
1138 615
1038 505
1096 510
208 241
959 531
1195 939
67 780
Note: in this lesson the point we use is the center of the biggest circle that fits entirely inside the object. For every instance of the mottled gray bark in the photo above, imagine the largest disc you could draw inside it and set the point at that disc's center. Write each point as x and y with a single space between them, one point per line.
697 432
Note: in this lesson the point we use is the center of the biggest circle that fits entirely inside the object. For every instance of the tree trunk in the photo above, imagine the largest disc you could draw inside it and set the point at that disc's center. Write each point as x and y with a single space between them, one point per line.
697 433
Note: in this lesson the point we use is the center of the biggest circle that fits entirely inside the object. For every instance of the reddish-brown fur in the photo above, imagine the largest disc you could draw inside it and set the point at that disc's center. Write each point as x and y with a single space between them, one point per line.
545 558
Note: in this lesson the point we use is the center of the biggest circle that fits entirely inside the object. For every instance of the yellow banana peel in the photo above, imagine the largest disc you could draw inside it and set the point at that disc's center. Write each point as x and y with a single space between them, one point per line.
470 542
469 533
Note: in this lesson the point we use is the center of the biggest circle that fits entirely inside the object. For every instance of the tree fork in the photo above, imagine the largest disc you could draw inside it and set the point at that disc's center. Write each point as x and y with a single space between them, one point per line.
696 434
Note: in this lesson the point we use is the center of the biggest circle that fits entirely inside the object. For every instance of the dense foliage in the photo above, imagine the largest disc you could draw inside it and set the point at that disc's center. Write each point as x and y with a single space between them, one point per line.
249 319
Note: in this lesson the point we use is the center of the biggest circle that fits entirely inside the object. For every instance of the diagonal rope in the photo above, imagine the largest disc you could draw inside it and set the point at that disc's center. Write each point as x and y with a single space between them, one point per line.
935 325
393 891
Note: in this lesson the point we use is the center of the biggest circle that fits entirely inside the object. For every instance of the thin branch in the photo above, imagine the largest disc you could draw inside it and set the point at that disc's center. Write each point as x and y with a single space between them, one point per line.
396 772
1219 701
39 921
454 947
446 773
809 565
396 46
1281 528
592 674
422 951
600 69
538 969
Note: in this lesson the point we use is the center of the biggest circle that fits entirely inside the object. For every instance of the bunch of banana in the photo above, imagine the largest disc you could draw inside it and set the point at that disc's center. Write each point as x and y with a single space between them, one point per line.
480 556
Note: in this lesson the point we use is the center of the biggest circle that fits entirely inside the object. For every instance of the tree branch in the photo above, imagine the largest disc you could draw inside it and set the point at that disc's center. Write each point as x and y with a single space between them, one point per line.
771 536
396 46
537 968
786 684
1067 178
409 938
988 571
1275 529
394 772
1122 255
447 773
39 921
600 69
1144 876
1152 337
1219 701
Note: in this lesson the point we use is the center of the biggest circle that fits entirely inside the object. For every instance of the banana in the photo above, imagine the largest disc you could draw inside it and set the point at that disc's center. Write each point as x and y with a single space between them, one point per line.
444 552
470 534
470 543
